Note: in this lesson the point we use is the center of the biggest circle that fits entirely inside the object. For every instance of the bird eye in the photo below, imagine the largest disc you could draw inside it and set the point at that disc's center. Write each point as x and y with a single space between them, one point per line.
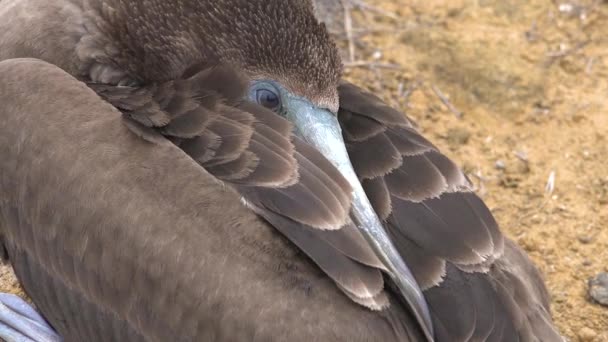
268 99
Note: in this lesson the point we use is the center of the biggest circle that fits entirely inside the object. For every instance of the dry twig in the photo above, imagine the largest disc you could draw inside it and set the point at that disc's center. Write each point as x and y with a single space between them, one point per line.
365 6
371 64
348 28
446 101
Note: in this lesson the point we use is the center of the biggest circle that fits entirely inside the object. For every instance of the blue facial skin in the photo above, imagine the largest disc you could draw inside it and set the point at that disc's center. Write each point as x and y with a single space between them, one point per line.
314 125
320 128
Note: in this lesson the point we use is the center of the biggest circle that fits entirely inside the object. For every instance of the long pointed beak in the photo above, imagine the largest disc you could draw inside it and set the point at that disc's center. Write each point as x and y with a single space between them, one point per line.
321 129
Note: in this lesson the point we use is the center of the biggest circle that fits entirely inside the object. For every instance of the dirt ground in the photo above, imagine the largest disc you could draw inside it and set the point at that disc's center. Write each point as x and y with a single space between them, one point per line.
515 91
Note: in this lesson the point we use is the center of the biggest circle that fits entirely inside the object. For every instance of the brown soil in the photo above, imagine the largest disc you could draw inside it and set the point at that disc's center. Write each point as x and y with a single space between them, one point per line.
530 78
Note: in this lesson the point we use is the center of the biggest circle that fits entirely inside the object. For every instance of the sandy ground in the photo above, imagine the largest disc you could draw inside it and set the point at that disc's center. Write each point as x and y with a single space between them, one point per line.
515 91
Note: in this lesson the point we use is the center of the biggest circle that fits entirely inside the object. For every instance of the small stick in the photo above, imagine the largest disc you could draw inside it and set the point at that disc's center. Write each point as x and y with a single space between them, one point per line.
589 65
363 5
348 28
481 189
446 101
550 183
366 64
532 212
407 93
523 156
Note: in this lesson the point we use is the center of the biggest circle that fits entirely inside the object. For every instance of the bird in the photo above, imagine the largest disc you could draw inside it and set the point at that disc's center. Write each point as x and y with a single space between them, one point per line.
199 170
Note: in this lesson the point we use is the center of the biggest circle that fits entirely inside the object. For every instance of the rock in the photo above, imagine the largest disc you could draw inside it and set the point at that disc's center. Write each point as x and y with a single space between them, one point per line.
500 165
587 334
598 288
585 239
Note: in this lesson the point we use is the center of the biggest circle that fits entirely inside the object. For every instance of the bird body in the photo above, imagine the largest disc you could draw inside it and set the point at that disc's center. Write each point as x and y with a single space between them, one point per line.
106 281
156 120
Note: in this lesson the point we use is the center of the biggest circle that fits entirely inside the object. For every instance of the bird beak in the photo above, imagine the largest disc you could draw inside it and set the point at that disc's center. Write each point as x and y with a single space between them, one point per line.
321 129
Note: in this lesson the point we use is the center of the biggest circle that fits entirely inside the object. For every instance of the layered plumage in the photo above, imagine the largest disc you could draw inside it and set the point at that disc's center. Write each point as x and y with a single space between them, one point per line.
117 239
282 178
178 72
445 232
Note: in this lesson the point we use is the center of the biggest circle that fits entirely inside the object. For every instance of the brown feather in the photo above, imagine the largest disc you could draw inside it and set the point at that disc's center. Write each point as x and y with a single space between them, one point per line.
357 101
378 194
234 136
454 177
267 117
340 187
237 169
201 148
190 124
428 268
351 243
416 179
408 141
358 280
376 303
147 133
377 148
218 79
276 167
358 127
314 192
444 232
195 110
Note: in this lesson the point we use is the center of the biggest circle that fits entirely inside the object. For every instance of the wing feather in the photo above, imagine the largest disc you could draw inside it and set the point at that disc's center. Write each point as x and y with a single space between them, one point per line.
357 279
379 196
416 179
430 199
359 127
385 160
471 275
283 179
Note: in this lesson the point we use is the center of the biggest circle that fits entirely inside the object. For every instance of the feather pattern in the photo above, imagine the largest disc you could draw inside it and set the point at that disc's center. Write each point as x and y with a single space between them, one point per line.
358 280
281 177
445 233
116 239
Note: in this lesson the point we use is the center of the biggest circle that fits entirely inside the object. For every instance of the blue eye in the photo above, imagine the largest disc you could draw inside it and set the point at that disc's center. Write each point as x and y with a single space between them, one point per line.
268 99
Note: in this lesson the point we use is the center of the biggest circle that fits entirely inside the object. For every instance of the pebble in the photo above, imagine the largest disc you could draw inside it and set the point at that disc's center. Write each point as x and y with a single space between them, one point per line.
598 288
585 239
587 334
